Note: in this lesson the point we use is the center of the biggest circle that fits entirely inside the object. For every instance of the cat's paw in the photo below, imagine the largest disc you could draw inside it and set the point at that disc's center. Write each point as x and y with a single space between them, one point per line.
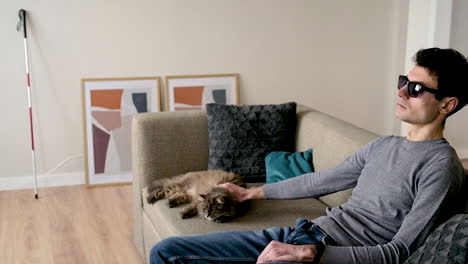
172 203
155 188
151 199
154 197
188 213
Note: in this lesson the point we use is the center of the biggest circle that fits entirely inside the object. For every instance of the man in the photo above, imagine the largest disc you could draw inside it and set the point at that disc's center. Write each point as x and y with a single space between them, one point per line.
403 188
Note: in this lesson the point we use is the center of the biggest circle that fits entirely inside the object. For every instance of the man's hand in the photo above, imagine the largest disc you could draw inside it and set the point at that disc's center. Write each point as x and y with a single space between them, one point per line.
278 252
242 194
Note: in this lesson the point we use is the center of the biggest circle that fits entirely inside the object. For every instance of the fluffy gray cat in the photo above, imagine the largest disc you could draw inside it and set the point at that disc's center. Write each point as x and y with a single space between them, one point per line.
199 190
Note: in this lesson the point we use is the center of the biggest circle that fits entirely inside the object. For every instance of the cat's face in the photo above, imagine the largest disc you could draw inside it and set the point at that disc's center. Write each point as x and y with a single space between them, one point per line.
219 206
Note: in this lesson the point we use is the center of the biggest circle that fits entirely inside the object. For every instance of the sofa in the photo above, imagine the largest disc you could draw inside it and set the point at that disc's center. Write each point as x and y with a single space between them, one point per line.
171 143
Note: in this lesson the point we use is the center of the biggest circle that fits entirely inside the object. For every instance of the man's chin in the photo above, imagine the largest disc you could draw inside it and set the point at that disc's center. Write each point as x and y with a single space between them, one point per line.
401 116
398 115
402 119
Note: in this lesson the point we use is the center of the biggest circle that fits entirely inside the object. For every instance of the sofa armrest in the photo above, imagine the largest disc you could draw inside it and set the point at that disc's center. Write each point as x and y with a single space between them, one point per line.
165 144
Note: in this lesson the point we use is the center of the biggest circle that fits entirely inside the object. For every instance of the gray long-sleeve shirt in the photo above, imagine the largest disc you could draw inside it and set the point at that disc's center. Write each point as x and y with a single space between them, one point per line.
402 190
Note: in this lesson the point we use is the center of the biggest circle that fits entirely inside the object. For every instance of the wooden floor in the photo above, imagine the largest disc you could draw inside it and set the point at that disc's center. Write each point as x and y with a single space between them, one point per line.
71 224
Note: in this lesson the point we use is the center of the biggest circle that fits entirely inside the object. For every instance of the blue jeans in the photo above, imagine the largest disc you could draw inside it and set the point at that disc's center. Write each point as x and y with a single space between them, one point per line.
235 246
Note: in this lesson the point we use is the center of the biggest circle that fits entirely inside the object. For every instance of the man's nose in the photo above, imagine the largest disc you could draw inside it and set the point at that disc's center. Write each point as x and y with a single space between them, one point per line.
403 92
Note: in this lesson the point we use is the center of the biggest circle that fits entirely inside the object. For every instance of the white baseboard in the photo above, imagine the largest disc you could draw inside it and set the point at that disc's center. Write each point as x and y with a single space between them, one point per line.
27 182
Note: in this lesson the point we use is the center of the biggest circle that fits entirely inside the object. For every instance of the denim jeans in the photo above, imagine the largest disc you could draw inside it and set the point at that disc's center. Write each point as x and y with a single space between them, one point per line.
235 246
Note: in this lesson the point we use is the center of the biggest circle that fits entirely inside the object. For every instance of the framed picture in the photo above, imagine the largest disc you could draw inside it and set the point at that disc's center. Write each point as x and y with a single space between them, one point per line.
195 91
108 108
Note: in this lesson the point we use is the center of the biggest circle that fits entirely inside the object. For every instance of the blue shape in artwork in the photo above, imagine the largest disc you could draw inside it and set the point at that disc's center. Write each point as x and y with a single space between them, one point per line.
219 96
139 100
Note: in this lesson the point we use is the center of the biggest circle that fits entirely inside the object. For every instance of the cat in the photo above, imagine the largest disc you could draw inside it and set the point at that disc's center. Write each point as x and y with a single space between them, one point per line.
199 190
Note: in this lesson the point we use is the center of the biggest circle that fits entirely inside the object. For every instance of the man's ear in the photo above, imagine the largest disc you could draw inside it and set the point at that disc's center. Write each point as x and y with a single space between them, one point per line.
448 104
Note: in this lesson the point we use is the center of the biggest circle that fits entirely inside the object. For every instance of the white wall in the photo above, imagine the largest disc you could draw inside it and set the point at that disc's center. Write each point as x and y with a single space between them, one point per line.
457 125
340 57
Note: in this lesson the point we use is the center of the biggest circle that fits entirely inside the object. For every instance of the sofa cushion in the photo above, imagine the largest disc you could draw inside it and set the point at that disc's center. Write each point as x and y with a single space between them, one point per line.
262 214
282 165
241 136
446 245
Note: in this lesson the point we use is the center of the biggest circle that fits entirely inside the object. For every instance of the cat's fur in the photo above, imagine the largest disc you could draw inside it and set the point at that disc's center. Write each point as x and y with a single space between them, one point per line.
199 190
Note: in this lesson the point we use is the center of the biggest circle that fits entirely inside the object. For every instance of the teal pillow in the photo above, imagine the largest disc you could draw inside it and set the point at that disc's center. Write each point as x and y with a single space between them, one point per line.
281 165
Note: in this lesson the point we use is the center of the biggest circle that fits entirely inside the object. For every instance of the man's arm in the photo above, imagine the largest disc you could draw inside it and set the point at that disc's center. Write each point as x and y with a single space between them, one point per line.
242 194
437 198
316 184
340 177
343 176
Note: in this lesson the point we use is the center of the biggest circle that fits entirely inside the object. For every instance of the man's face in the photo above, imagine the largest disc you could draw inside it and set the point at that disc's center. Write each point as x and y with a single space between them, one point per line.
421 110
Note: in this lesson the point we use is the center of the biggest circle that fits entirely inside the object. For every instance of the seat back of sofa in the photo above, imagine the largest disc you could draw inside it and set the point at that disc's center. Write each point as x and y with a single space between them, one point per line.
332 140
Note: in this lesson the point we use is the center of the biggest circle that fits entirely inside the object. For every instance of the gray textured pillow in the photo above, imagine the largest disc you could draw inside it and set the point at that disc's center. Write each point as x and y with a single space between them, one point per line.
448 244
241 136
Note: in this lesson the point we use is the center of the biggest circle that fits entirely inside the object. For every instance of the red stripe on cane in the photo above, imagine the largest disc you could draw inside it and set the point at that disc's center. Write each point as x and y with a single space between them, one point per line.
29 80
31 126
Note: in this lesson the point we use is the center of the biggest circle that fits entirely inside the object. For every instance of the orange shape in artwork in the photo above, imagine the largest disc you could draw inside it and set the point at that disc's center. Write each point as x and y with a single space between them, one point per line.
110 99
190 95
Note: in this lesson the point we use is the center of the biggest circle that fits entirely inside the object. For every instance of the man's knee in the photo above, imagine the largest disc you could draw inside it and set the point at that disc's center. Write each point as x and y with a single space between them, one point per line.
163 250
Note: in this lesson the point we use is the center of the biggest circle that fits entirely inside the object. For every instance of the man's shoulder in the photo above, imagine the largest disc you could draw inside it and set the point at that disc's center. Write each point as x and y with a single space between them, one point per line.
444 151
446 165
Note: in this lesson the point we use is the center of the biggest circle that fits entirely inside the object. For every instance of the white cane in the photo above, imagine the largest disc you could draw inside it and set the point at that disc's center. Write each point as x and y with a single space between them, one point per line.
22 25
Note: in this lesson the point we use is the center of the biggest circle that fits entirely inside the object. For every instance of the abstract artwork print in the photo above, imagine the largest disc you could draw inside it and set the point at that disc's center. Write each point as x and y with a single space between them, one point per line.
108 113
112 112
196 97
194 92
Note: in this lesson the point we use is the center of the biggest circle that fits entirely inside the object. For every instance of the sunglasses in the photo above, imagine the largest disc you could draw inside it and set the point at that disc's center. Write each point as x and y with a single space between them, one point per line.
415 88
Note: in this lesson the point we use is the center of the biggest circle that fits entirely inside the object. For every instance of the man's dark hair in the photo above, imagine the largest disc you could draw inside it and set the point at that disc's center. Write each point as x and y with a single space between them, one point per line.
450 68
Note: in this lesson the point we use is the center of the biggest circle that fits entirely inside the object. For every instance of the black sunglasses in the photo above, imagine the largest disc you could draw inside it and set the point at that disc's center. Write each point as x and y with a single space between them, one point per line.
415 88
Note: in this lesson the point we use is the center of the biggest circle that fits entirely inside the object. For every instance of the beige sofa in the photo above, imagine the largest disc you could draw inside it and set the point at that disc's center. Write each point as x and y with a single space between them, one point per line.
170 143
